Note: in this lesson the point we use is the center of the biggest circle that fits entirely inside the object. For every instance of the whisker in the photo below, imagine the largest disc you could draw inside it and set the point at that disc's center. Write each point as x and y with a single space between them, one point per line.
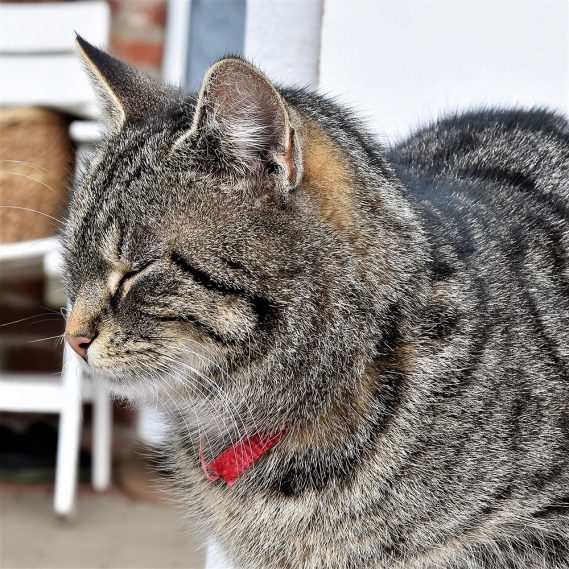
227 376
40 168
228 413
209 389
228 404
36 180
60 336
27 318
32 211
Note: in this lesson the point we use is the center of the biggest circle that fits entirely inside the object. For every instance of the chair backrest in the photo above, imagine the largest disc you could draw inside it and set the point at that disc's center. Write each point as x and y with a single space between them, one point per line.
38 62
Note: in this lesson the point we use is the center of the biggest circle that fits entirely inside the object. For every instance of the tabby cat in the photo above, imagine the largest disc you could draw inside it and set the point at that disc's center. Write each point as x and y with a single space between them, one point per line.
363 351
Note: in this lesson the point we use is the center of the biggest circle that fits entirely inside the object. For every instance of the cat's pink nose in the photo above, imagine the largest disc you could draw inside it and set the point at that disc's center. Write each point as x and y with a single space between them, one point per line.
80 344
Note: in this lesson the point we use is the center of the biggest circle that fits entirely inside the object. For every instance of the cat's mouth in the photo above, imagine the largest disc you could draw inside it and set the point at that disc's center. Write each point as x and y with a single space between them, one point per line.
184 364
146 376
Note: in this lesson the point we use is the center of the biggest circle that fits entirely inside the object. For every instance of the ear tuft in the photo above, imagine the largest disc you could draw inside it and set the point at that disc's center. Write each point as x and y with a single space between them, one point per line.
247 107
240 107
125 94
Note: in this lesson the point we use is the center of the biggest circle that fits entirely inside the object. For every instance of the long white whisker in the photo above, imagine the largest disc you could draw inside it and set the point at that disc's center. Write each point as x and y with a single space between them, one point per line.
246 434
32 211
212 389
36 180
40 168
59 336
28 318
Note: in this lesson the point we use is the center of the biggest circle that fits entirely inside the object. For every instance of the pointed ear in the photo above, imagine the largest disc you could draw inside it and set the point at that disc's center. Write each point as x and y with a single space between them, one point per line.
248 118
124 94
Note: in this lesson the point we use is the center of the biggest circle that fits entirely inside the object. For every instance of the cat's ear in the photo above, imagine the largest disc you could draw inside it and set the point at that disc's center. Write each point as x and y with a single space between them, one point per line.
124 93
248 118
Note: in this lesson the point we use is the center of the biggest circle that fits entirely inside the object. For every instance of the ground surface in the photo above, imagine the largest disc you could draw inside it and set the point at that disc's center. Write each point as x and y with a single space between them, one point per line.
110 531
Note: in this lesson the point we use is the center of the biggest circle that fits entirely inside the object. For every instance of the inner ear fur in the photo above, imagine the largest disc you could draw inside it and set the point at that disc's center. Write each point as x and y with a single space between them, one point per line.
243 110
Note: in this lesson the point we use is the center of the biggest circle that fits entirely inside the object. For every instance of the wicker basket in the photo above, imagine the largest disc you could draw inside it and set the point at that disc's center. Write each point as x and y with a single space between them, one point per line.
36 165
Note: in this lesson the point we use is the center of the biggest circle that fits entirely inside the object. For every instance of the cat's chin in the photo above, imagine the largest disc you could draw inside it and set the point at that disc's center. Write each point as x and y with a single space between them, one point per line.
135 392
139 386
168 391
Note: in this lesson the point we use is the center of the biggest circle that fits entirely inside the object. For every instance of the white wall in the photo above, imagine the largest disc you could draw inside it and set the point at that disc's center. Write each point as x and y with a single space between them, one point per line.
401 62
283 38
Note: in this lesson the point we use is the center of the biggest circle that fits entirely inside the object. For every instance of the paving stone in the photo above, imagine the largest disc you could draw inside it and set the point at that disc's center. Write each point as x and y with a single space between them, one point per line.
109 531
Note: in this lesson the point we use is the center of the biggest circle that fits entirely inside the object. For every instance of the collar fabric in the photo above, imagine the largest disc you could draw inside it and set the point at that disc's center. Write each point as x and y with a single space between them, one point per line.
236 459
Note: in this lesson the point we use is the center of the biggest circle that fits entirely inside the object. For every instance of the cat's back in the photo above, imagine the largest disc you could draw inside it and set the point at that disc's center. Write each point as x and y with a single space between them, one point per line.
525 149
497 179
492 188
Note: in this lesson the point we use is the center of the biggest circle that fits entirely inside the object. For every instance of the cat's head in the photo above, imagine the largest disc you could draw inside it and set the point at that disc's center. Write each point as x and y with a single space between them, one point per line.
215 234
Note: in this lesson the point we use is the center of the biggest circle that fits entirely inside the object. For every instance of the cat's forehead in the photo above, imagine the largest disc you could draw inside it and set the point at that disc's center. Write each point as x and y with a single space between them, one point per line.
144 218
137 202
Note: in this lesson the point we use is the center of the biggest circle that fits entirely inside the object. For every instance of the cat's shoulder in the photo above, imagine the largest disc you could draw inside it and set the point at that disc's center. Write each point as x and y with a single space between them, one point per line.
494 122
509 146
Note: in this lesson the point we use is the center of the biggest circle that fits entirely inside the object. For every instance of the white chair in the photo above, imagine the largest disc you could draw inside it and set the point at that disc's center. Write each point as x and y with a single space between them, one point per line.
37 48
63 393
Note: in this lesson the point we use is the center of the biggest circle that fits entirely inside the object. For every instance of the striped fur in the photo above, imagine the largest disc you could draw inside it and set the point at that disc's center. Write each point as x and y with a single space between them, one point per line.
403 313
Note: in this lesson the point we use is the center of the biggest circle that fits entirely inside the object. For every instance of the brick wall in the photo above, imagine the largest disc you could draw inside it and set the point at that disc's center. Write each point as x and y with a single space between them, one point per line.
137 32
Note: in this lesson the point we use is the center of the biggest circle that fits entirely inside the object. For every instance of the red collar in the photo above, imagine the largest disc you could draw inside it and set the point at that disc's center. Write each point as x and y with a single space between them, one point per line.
236 459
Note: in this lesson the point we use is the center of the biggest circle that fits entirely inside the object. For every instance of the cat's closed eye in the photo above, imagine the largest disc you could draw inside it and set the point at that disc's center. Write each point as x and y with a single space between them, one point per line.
124 285
124 281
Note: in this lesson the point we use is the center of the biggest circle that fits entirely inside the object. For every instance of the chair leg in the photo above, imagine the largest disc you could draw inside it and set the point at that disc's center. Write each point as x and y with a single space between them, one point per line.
69 437
102 428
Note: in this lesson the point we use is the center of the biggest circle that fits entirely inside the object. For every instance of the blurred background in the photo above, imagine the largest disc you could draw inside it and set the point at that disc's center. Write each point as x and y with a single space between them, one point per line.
77 485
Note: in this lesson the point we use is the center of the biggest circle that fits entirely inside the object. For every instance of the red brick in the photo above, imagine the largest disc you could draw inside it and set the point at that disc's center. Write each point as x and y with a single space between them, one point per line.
114 6
150 12
137 52
140 13
157 14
